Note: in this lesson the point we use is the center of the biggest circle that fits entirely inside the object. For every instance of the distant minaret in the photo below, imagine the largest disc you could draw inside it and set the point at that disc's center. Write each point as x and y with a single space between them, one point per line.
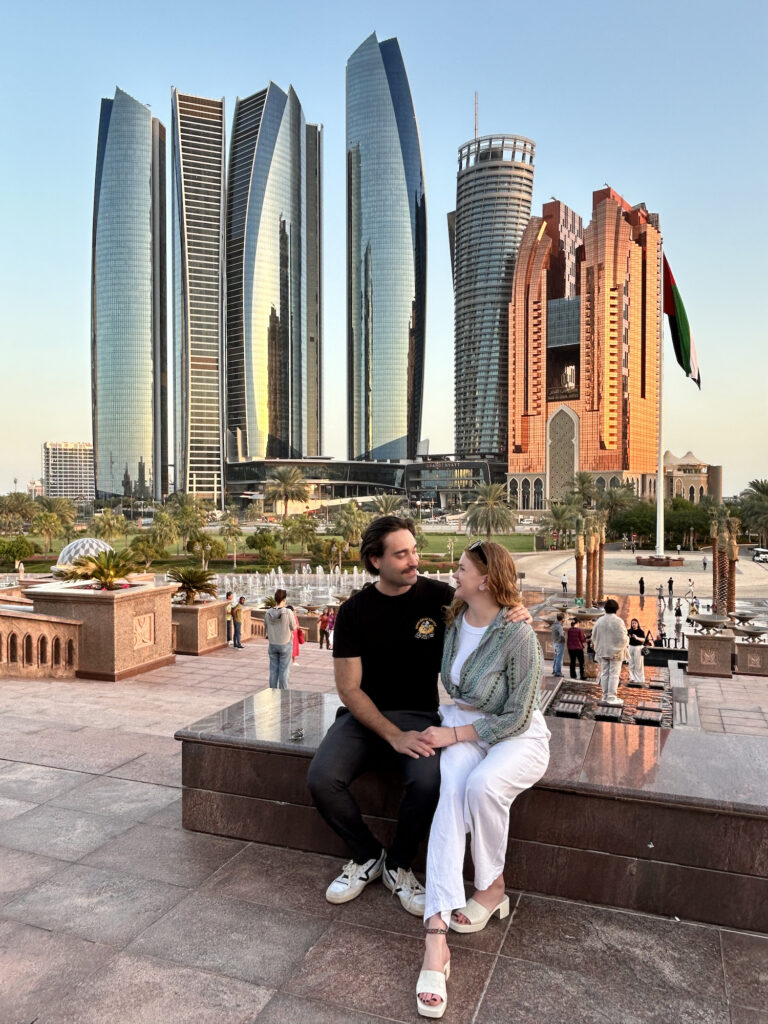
476 116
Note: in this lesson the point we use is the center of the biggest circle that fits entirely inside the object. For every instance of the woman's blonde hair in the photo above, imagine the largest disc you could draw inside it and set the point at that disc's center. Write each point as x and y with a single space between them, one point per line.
495 562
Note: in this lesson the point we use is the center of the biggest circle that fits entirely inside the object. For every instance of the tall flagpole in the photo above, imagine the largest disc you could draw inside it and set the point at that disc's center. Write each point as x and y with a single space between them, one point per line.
660 467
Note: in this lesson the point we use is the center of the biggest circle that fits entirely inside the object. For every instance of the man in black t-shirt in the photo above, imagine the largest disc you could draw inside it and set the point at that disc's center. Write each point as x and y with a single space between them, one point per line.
387 649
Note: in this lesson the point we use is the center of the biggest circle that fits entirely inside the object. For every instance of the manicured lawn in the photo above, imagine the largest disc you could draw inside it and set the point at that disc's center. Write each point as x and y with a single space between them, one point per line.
439 542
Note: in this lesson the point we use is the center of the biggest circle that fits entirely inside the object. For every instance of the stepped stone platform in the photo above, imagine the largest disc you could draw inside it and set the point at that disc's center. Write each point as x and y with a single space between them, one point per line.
669 822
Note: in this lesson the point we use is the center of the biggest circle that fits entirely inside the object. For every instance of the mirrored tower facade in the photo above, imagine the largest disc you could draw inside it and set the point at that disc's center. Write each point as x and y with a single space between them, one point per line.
273 280
494 190
386 256
128 303
198 292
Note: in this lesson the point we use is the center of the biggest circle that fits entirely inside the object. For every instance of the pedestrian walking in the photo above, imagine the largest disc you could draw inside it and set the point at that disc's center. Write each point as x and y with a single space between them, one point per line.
237 622
641 585
633 547
558 643
323 625
229 598
704 563
609 636
280 623
576 641
671 586
637 640
660 595
564 583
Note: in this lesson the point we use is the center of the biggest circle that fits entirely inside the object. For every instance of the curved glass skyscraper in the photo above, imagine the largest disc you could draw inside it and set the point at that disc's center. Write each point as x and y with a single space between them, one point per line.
128 303
198 292
494 190
386 256
273 409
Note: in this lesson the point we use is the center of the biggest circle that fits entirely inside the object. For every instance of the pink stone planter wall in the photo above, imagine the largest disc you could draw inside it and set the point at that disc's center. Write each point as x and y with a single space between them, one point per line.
124 632
752 659
201 627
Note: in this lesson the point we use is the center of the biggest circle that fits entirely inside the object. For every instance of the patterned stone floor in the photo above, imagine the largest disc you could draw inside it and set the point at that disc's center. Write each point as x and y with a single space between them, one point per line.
111 914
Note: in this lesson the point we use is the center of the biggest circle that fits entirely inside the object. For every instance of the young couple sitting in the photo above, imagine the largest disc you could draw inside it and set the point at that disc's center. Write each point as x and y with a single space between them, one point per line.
462 766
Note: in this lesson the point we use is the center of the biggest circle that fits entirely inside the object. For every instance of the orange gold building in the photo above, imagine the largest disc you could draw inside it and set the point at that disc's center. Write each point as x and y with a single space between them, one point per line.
584 329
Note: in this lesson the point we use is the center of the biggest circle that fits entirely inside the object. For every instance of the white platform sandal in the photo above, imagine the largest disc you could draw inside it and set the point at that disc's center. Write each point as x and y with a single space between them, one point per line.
433 982
478 915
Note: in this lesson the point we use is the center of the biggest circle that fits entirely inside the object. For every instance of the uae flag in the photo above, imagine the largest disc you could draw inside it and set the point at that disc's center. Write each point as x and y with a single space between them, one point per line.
682 339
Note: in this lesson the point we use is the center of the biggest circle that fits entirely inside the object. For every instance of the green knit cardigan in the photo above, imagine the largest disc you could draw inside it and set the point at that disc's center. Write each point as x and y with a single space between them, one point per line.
501 677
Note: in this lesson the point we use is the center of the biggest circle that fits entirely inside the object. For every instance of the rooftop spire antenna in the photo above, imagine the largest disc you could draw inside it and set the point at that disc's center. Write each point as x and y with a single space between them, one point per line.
476 117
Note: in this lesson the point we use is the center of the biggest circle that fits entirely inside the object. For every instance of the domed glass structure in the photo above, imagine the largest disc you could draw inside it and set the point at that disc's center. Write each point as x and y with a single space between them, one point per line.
82 546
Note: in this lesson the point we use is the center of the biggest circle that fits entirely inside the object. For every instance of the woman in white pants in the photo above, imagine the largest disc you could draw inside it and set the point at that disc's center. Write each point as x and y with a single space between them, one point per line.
496 746
637 639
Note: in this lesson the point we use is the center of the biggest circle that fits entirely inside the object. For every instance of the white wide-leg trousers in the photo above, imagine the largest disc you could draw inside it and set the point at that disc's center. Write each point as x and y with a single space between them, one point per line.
478 783
636 664
610 672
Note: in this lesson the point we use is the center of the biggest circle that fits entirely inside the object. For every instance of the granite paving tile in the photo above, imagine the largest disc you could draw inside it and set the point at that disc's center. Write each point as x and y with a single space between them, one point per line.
39 967
380 973
36 783
20 870
164 769
670 957
166 855
285 1009
568 748
103 906
141 990
59 832
746 968
88 750
534 993
257 944
168 817
117 798
748 1015
13 808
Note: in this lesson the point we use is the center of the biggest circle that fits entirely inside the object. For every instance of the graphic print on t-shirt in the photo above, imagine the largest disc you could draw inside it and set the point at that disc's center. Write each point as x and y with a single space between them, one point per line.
426 629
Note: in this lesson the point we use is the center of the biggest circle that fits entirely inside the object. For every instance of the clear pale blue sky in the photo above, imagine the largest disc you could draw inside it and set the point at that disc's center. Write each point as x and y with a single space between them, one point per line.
665 101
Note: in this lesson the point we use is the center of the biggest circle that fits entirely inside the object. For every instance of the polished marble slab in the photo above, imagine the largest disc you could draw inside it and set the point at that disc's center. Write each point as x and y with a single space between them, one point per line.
721 772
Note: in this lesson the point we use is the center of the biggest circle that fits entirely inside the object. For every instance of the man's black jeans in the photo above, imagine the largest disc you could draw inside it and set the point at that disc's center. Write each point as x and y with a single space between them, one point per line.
349 749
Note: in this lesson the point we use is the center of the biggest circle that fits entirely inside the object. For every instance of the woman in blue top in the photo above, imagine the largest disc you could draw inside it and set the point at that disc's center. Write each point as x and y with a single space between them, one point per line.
496 746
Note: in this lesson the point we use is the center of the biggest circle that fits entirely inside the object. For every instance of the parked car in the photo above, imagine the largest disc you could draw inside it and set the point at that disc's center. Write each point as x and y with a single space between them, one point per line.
760 555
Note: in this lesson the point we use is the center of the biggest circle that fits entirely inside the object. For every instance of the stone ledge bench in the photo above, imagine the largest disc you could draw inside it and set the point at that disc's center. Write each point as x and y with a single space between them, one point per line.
669 822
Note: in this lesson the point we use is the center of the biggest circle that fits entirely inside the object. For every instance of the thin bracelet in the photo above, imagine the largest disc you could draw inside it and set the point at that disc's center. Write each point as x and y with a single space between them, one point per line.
456 735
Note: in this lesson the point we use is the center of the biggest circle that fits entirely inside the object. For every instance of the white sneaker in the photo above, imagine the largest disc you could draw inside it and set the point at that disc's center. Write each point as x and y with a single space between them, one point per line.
409 891
353 879
614 700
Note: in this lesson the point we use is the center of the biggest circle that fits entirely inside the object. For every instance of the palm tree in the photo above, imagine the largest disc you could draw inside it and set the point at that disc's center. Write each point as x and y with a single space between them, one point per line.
188 517
489 512
106 568
164 530
10 522
232 534
584 486
146 548
20 504
387 504
108 525
350 522
301 530
718 531
62 507
193 581
48 525
615 500
754 510
561 517
579 555
206 547
287 483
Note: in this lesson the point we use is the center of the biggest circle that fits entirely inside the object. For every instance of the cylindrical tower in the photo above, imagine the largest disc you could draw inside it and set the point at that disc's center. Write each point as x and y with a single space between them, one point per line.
494 190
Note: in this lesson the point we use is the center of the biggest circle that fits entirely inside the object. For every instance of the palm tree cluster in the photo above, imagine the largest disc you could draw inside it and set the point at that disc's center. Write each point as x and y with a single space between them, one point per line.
108 568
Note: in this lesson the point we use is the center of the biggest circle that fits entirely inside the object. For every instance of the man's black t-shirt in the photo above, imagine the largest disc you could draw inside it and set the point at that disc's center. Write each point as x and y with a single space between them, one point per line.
400 642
